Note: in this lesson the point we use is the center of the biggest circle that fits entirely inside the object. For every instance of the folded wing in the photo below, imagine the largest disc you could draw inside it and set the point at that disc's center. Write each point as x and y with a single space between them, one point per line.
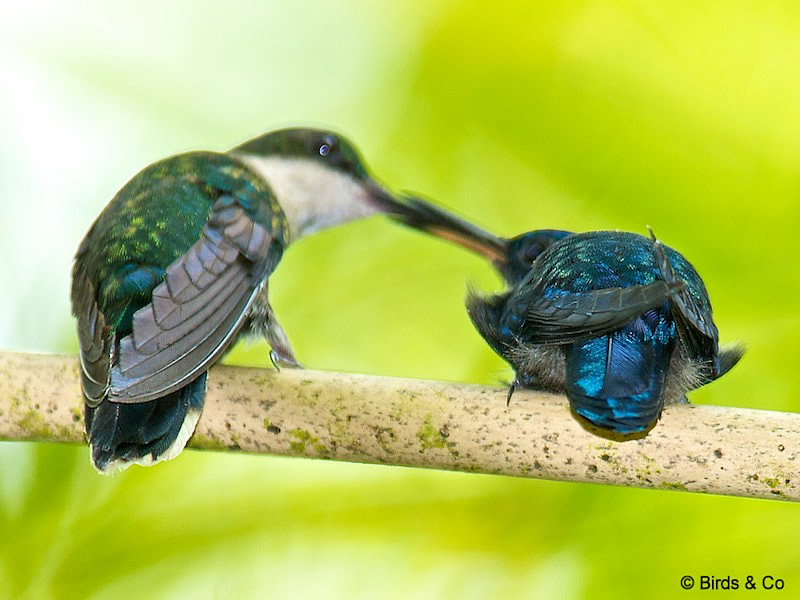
197 310
571 317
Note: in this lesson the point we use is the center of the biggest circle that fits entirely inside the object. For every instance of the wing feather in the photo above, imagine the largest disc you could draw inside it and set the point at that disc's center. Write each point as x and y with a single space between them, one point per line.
572 317
698 334
197 310
94 337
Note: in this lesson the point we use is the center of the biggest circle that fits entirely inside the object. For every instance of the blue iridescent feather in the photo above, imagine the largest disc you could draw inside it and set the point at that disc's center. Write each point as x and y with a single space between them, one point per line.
616 358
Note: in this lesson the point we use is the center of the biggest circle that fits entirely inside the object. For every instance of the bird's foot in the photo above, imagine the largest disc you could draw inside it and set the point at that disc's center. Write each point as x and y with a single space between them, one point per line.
281 353
511 389
278 360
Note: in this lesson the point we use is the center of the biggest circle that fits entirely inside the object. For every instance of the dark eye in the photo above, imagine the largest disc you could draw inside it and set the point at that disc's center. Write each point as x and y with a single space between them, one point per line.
324 149
533 252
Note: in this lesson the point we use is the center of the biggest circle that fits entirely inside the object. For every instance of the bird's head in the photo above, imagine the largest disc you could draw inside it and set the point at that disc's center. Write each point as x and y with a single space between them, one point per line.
524 249
318 177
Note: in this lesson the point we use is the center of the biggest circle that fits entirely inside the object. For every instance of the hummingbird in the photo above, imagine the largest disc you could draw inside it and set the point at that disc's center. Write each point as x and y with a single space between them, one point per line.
617 321
176 268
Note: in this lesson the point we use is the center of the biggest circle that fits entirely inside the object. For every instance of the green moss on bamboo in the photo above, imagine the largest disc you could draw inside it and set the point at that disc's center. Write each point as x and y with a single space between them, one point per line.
303 440
204 442
430 436
673 486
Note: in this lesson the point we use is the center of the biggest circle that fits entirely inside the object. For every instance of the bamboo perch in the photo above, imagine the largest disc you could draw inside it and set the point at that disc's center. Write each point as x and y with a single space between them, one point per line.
711 449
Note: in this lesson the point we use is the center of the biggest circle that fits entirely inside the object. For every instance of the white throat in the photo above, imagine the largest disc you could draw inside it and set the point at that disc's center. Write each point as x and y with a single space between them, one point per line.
312 196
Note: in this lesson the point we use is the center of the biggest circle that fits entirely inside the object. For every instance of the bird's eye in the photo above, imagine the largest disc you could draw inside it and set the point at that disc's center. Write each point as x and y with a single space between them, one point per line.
533 252
324 149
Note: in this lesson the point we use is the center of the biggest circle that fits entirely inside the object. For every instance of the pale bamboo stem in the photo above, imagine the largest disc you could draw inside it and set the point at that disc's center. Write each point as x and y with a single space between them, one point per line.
360 418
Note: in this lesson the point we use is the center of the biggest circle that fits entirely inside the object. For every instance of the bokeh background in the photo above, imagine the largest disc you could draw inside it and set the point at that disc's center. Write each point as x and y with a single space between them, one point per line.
585 114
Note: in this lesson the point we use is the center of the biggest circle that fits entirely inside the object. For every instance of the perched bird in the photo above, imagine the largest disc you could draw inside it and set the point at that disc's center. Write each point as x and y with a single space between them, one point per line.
617 321
176 268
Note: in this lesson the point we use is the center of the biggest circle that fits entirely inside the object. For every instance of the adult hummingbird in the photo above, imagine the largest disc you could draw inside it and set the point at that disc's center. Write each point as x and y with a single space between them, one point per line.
176 268
617 321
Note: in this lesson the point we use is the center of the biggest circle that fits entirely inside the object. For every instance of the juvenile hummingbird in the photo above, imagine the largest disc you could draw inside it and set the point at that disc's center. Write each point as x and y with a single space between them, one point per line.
176 268
617 321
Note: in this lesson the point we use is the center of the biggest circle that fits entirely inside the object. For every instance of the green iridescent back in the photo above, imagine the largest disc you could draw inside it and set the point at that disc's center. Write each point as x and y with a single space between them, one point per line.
155 218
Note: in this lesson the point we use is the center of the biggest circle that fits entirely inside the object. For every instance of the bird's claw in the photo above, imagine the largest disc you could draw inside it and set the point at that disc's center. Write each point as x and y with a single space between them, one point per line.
280 359
511 389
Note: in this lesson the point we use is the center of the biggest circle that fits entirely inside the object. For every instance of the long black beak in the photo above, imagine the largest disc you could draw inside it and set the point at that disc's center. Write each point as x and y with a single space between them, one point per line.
420 214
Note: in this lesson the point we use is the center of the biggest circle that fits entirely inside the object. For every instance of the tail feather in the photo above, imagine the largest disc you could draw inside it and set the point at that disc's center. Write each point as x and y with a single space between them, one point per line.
122 434
728 357
420 214
714 368
616 381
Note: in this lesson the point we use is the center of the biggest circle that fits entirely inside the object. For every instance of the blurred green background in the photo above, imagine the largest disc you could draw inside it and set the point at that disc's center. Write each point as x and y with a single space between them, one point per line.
577 115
